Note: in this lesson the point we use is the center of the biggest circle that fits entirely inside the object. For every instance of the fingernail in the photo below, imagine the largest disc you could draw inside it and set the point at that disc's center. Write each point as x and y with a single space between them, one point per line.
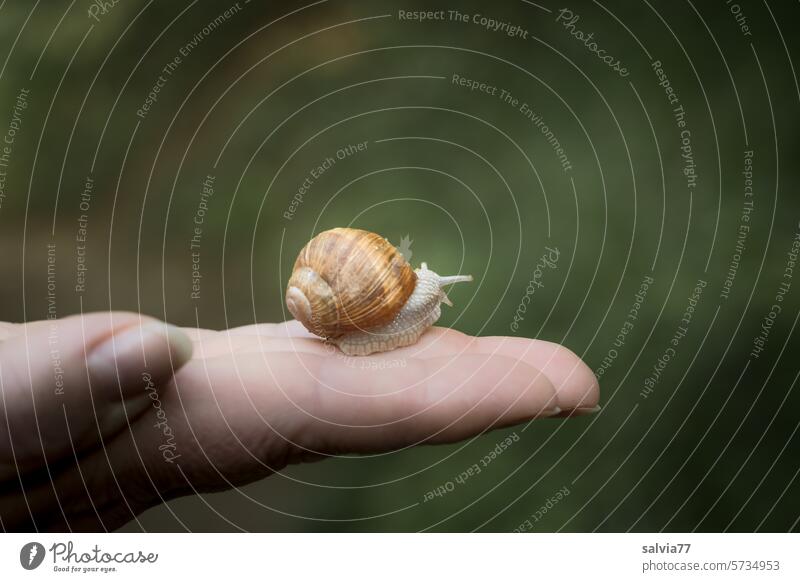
550 412
154 350
179 344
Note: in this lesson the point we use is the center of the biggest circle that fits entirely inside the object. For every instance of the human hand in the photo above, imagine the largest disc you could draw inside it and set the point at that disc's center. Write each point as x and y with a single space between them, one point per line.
245 404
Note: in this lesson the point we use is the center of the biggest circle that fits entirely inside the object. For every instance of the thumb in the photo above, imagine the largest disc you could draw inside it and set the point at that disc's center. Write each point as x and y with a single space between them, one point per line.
67 383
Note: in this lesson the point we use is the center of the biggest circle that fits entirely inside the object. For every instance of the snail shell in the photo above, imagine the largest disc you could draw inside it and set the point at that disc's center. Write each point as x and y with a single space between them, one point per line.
345 280
354 288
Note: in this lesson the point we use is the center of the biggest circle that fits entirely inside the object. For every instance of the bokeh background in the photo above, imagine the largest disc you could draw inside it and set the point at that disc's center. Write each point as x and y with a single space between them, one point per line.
266 92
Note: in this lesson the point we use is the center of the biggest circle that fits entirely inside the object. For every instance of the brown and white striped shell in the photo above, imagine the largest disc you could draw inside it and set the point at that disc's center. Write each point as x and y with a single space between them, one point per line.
354 288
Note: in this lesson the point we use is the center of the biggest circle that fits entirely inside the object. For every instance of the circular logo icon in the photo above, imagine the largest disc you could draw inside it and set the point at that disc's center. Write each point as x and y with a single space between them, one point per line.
31 555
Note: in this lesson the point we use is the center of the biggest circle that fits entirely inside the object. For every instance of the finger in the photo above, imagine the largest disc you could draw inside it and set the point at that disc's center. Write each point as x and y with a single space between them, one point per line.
236 418
291 328
221 343
285 329
574 382
328 406
254 338
240 416
65 380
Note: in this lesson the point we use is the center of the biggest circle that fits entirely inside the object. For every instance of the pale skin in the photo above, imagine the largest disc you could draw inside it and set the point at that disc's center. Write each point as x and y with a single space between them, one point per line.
113 417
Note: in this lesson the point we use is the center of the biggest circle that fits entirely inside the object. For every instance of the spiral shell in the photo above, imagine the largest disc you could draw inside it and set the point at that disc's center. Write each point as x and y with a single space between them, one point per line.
347 280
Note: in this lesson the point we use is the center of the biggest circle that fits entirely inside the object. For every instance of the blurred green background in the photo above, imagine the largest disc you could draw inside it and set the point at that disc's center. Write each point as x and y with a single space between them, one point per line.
264 94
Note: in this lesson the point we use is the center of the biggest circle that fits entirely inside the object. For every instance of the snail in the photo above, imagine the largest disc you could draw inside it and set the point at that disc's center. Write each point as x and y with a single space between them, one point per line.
355 289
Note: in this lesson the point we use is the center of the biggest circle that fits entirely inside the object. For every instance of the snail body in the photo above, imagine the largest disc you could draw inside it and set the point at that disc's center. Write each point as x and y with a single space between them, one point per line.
355 289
